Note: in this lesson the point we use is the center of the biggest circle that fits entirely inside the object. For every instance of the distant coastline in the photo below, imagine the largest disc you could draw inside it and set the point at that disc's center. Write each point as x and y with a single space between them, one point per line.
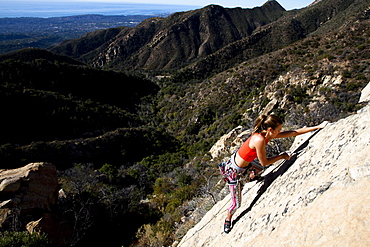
43 9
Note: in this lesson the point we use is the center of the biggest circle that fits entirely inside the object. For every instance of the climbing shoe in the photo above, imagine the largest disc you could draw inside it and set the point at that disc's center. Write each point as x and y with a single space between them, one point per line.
227 226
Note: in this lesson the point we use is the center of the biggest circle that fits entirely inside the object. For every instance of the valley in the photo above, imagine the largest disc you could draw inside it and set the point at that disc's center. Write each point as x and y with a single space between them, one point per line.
128 114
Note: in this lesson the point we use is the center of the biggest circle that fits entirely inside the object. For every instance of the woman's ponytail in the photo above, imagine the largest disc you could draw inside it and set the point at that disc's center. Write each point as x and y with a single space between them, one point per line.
263 122
258 125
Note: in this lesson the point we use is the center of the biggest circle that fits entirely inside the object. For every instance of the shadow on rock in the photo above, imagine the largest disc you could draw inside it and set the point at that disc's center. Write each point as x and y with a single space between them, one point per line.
270 178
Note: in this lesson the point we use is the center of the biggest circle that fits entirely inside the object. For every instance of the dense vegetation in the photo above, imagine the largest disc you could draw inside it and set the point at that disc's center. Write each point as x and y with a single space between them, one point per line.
60 111
132 151
23 239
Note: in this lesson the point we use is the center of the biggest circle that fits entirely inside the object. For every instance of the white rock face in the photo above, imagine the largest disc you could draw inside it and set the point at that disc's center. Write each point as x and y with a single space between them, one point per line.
365 94
319 198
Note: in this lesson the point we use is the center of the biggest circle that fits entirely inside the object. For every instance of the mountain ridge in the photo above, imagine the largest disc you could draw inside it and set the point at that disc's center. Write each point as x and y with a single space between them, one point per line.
189 45
294 26
184 36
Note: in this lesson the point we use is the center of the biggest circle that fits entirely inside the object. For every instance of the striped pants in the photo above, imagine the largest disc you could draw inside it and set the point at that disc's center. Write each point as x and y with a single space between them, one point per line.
231 173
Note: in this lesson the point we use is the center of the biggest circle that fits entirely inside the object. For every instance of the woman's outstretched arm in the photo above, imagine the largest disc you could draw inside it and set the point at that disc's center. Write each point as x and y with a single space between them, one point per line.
300 131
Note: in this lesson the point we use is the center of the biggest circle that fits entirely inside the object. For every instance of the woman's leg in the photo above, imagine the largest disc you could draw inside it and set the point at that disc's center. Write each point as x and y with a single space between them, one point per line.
235 193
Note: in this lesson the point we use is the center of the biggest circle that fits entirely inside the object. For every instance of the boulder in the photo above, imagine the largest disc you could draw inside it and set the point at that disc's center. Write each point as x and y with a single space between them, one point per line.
34 186
58 231
269 107
27 196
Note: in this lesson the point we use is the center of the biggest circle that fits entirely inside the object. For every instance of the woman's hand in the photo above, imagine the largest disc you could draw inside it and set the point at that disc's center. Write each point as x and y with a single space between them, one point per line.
323 124
286 156
304 130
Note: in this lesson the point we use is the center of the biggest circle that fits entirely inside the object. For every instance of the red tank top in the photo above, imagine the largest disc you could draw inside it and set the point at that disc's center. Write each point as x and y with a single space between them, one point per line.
246 153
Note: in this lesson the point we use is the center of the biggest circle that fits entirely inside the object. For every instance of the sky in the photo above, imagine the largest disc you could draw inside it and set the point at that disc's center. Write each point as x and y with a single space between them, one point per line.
287 4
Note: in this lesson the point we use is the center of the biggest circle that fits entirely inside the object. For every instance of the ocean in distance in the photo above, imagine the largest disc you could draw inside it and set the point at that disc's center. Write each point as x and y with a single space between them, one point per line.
46 9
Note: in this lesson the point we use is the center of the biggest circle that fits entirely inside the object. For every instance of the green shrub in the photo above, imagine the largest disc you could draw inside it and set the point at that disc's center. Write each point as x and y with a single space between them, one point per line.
299 93
347 74
351 86
361 47
23 239
110 171
361 77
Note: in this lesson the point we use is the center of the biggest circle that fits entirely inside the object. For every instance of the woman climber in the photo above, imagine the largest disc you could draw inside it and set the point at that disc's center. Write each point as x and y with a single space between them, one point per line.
266 128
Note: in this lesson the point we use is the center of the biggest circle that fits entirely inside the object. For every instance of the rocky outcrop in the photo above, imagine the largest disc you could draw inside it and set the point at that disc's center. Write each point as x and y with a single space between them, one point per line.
27 195
318 198
229 142
33 186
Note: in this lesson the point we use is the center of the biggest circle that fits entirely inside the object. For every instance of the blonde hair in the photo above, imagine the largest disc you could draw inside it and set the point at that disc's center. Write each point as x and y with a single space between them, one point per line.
263 122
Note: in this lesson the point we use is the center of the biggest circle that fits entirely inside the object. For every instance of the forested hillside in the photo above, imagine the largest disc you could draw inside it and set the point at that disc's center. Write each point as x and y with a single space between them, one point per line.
46 97
128 115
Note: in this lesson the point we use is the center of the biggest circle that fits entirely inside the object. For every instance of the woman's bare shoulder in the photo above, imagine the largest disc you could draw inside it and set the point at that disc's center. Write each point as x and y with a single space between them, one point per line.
256 139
